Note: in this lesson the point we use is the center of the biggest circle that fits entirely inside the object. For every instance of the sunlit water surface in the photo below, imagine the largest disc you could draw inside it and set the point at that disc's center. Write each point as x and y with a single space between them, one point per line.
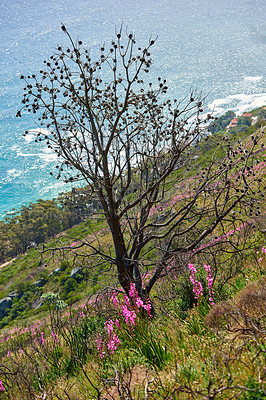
215 46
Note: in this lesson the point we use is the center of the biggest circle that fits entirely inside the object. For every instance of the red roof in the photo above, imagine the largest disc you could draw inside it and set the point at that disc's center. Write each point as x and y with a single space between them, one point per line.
232 124
247 114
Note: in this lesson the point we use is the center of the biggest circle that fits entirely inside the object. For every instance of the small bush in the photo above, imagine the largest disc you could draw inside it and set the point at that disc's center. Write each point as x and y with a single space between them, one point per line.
245 315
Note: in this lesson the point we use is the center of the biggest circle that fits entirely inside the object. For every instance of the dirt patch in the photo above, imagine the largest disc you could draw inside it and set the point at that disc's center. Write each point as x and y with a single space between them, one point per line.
137 377
6 263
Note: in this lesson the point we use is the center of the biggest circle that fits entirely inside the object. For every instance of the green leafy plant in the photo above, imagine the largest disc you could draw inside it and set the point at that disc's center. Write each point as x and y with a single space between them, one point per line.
145 341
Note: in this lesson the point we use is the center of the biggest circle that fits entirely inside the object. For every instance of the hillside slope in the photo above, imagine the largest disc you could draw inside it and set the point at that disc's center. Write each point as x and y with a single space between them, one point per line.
70 333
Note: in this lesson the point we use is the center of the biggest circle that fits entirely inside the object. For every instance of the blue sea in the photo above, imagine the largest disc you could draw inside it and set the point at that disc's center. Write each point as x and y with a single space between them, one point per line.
215 46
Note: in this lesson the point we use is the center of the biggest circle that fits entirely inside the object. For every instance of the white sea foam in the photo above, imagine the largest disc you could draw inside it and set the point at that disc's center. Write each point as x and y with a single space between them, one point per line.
29 138
239 103
15 147
11 176
53 188
49 157
29 154
253 78
13 173
38 130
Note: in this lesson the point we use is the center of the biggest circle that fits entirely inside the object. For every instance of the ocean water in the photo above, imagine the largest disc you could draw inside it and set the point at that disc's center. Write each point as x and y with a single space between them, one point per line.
216 46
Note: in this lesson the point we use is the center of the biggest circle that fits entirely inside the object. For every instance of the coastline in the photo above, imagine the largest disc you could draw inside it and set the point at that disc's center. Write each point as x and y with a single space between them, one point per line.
34 182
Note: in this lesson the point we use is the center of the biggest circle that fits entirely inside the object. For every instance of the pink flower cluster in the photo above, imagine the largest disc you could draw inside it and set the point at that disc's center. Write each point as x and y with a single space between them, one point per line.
55 337
2 389
42 340
263 251
113 340
165 206
146 277
33 330
221 238
128 311
197 285
137 300
128 314
210 282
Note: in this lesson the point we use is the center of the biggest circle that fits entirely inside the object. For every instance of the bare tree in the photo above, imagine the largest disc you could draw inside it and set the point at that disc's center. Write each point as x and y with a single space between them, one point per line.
131 146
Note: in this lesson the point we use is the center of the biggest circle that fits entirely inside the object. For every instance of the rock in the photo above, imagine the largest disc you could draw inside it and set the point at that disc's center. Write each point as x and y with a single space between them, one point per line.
39 283
37 304
56 271
13 294
162 217
75 272
5 303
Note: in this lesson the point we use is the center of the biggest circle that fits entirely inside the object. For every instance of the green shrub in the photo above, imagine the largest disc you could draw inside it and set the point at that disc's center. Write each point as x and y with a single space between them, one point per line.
256 392
147 343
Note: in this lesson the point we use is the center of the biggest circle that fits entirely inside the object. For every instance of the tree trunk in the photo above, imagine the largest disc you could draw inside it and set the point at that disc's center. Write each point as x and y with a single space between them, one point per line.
124 268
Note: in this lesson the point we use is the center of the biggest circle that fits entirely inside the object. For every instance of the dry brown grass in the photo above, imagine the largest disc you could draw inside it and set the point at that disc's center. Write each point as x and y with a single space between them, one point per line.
245 315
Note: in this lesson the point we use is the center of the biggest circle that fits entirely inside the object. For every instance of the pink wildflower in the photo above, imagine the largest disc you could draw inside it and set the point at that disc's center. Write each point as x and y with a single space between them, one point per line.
115 300
113 342
139 302
171 265
197 286
127 301
2 389
130 316
100 346
147 307
210 282
132 291
117 323
42 340
55 337
109 326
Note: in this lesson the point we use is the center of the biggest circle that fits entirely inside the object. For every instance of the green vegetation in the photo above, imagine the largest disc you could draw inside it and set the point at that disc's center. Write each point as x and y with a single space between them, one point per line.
221 123
157 290
90 351
38 272
34 224
133 146
189 350
243 122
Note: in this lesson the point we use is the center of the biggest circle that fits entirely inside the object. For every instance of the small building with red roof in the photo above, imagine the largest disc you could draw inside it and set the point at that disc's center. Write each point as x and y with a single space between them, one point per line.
232 124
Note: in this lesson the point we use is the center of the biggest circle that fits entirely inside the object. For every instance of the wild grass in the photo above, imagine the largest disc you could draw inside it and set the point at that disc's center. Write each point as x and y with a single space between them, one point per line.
80 344
214 352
